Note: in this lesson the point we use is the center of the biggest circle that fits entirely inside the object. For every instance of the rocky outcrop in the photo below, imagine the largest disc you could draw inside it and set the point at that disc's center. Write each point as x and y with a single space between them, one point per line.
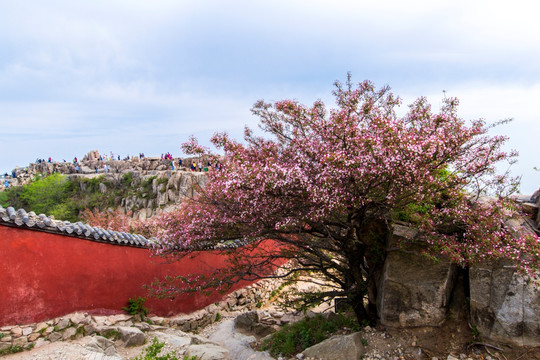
207 352
414 291
158 192
158 184
250 323
504 304
143 194
100 345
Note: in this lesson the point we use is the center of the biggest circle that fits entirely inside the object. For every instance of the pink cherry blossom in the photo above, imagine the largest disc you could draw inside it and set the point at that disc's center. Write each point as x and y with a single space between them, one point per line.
326 185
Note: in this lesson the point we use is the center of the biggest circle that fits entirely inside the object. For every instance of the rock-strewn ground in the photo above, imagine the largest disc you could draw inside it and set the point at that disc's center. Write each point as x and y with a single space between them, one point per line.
124 337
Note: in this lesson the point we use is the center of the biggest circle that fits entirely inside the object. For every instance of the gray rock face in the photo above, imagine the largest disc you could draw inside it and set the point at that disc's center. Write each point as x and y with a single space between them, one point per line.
131 336
207 352
337 348
179 339
62 323
55 337
102 345
69 333
249 324
414 291
504 305
79 318
535 199
245 322
91 156
168 190
238 344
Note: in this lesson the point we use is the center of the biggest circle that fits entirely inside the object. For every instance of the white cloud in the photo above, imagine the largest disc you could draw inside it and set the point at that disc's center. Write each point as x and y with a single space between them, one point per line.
78 72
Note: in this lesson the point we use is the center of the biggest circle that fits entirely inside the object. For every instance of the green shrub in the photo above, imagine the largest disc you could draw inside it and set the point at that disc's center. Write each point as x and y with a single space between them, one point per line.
136 307
59 196
11 197
127 179
12 350
49 195
476 334
112 334
162 180
296 337
146 185
81 330
151 352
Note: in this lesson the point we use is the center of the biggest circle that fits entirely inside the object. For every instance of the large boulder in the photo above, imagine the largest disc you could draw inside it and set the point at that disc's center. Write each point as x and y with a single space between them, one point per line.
338 347
131 336
248 323
414 291
91 156
534 201
504 305
101 345
207 352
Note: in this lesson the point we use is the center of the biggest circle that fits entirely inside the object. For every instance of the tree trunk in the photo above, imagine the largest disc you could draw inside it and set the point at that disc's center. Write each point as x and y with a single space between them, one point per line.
357 303
375 262
374 237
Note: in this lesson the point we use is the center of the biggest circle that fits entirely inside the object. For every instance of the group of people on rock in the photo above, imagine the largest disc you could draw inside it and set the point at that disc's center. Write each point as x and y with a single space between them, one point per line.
200 166
106 168
6 176
50 160
108 158
205 167
167 156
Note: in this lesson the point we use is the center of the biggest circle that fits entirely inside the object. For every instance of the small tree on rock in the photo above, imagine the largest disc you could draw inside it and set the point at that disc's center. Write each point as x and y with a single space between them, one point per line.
327 185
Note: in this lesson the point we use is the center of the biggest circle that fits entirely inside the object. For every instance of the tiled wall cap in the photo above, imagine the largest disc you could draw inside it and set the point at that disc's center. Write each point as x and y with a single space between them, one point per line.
20 218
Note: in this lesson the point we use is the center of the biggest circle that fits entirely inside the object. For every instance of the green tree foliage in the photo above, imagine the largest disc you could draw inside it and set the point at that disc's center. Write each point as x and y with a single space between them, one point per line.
66 198
48 195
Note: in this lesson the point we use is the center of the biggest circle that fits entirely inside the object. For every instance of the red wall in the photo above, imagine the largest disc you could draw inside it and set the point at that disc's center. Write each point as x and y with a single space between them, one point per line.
44 275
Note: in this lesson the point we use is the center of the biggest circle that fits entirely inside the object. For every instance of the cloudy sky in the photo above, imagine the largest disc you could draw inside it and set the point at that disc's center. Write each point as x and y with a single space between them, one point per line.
141 76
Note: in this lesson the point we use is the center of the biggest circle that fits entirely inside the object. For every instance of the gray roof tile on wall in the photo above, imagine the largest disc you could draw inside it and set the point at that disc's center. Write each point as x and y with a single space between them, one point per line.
29 220
11 213
20 218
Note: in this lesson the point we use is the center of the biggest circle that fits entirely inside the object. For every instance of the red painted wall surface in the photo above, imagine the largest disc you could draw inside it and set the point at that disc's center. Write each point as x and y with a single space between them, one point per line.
45 275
